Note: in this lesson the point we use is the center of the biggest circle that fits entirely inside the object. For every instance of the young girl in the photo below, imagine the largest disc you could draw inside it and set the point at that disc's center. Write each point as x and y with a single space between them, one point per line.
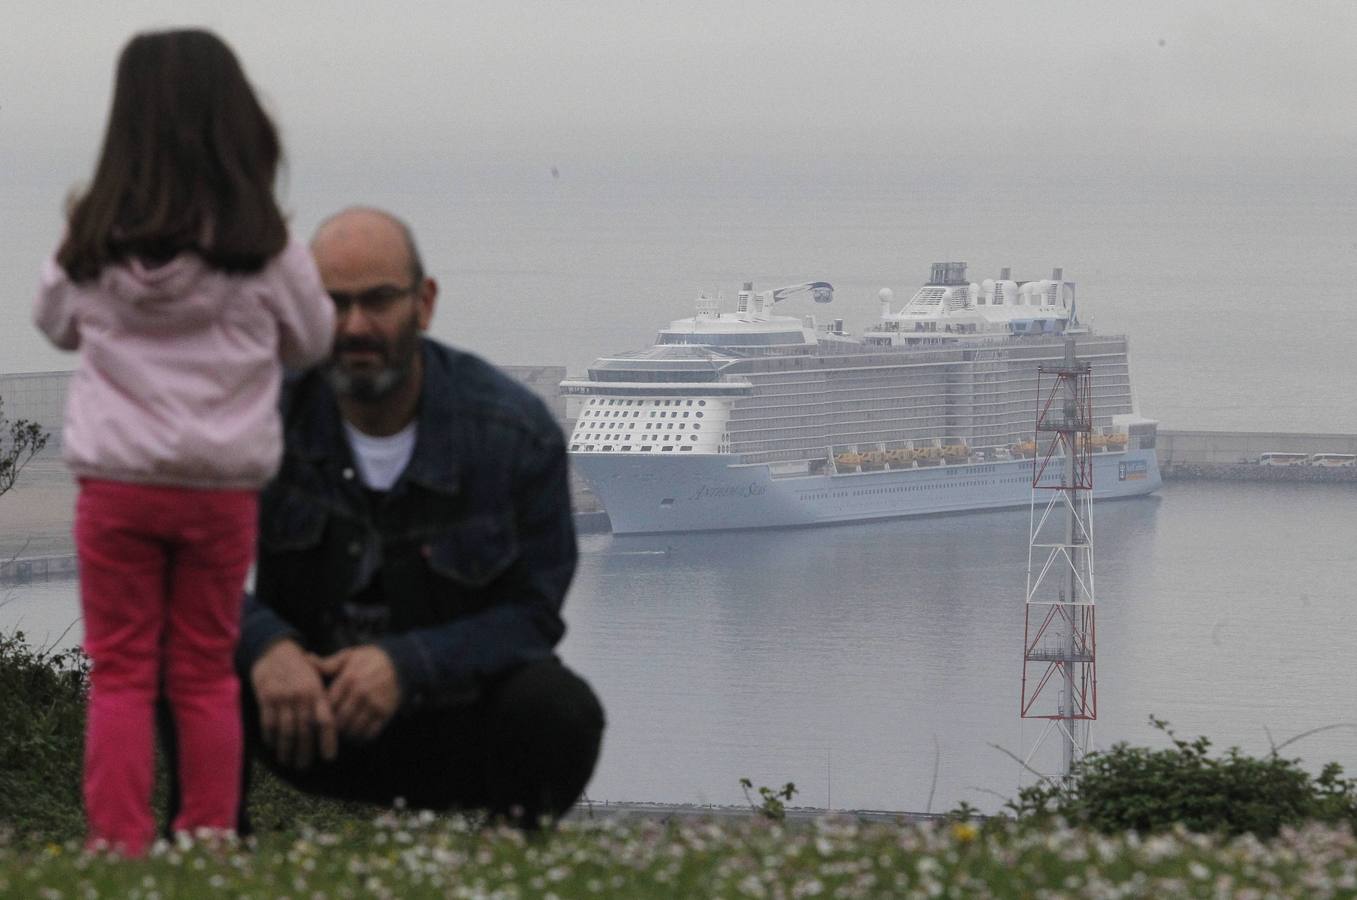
179 284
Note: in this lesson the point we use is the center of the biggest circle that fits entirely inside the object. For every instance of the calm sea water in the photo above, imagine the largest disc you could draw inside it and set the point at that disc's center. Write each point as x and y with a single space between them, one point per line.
852 660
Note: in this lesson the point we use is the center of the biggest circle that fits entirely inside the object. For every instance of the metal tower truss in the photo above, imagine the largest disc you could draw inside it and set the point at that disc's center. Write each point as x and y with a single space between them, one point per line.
1059 672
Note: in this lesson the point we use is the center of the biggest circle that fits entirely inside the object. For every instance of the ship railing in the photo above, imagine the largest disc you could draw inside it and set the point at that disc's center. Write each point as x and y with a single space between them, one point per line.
580 387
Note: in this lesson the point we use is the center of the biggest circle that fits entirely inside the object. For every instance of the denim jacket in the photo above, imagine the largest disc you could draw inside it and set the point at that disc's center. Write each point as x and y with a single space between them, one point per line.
474 544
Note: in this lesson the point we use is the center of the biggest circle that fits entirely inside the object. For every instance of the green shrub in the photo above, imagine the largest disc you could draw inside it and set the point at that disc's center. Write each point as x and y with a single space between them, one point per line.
20 441
1152 790
42 697
772 804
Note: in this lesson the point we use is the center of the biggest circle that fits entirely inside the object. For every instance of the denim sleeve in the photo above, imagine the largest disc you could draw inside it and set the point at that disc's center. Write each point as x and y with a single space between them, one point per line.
449 663
260 628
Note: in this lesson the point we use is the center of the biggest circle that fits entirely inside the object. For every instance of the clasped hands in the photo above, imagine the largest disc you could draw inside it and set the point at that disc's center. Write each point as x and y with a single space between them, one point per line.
301 715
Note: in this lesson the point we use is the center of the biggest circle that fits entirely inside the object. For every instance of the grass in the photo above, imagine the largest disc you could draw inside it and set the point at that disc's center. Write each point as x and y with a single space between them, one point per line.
411 855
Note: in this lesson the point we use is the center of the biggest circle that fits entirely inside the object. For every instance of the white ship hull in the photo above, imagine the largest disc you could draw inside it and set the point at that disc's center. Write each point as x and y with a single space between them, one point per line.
650 493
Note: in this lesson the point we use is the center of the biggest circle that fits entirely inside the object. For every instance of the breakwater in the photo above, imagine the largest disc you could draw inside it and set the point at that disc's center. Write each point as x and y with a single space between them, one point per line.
31 567
1182 447
1234 455
1255 472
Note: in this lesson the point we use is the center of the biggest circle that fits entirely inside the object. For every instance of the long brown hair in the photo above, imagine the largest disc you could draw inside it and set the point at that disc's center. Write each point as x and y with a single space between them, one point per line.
188 163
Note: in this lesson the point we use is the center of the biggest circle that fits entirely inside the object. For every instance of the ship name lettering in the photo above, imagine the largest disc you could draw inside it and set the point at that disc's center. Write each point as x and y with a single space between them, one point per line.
753 489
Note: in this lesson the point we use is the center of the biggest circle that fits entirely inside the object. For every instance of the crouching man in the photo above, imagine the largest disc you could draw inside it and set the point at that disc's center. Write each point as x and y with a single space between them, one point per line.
415 550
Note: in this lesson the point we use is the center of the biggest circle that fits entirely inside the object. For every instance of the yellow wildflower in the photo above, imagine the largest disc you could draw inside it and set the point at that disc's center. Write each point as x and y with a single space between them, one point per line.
964 832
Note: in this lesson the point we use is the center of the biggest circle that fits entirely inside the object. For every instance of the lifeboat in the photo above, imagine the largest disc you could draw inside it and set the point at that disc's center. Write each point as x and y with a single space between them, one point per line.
848 459
1097 441
1116 442
929 456
955 452
1026 449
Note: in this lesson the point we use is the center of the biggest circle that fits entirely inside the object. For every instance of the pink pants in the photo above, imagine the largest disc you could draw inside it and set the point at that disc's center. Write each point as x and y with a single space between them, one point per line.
162 571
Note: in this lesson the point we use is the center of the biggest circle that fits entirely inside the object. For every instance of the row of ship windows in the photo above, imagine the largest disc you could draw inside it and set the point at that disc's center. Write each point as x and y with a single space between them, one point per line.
842 418
1019 393
1024 370
622 413
765 442
825 495
598 401
894 424
810 443
846 417
626 448
902 404
629 437
796 448
938 392
839 418
631 426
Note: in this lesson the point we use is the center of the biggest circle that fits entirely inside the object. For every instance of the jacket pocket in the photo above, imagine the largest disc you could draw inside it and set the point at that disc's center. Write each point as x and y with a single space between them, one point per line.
294 524
475 552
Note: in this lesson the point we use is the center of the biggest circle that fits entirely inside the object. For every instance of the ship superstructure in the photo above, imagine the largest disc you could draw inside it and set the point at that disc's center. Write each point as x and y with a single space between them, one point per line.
749 418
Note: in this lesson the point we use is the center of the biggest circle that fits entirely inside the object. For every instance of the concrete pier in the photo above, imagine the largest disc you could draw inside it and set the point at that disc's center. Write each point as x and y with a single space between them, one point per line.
1233 455
1244 447
31 567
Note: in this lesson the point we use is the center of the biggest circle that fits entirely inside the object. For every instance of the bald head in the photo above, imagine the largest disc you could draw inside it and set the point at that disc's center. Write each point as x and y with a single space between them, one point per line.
383 302
360 241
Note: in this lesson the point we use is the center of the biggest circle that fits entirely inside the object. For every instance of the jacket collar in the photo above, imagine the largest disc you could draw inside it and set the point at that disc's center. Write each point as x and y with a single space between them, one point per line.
316 431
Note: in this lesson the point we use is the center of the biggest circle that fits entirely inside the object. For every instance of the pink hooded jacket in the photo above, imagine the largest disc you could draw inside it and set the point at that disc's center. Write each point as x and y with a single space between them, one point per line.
180 365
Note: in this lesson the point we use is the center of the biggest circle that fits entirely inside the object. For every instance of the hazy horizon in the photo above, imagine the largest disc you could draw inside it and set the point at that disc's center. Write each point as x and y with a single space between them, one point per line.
746 132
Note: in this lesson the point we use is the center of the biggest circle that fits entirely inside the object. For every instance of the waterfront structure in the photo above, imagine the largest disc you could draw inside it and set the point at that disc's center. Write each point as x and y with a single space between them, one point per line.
750 419
39 397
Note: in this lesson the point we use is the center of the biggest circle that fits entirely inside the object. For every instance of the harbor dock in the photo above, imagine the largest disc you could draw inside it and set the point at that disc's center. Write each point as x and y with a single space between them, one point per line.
1235 455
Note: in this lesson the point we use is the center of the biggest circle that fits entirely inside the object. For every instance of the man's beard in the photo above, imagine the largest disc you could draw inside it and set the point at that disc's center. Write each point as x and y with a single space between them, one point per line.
369 387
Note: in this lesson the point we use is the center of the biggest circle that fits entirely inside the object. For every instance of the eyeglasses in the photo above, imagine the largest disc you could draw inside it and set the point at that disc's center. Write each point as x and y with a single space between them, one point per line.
373 302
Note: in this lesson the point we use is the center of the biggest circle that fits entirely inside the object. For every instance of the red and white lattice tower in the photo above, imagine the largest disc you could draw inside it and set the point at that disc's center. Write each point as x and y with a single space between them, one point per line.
1059 669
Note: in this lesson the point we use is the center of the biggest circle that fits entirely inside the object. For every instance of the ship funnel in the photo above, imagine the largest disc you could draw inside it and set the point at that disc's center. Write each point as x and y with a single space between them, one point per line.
1057 274
948 273
1006 274
743 298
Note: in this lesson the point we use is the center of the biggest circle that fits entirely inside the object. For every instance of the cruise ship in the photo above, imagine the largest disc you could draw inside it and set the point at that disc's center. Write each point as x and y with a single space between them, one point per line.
752 419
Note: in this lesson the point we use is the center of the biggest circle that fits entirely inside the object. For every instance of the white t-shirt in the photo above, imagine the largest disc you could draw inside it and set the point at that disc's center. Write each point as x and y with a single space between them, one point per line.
381 459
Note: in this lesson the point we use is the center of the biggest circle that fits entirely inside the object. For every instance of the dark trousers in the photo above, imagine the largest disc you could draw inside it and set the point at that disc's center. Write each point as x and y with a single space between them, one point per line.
522 752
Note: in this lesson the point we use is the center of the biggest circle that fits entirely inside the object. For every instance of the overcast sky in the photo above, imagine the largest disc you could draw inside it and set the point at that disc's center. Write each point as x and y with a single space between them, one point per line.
375 98
518 79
